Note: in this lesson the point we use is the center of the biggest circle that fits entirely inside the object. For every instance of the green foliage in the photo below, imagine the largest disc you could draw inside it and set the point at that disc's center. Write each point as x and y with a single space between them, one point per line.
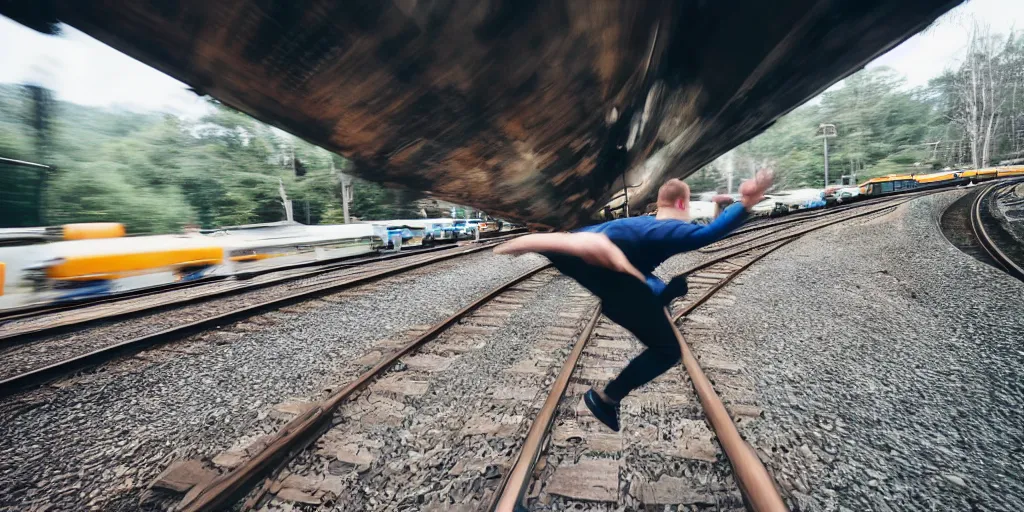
707 179
100 194
883 128
158 173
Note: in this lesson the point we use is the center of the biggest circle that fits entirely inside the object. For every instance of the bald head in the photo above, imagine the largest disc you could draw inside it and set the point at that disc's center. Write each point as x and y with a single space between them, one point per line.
674 194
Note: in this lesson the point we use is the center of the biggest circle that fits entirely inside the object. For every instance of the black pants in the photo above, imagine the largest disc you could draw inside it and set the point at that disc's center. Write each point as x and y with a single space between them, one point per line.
630 303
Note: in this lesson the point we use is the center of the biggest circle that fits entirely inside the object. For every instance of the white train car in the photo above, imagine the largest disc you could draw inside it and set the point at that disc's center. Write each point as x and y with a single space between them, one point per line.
439 230
403 232
262 246
801 199
702 212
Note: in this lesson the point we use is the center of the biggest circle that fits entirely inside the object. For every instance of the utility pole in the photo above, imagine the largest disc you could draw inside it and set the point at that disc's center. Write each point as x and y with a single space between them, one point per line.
284 200
729 161
346 195
826 160
827 131
293 156
346 190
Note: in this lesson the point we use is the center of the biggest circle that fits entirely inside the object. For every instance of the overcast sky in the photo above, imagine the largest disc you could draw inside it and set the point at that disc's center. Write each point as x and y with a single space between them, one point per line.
927 54
83 70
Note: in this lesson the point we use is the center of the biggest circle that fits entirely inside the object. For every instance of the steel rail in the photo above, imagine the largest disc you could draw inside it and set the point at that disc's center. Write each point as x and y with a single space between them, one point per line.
70 324
809 218
509 495
802 216
37 376
721 284
799 233
63 326
307 427
752 477
36 310
781 241
985 237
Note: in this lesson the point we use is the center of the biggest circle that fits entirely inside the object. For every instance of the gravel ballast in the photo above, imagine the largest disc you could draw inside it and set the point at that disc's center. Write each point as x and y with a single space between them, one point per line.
95 440
888 364
436 432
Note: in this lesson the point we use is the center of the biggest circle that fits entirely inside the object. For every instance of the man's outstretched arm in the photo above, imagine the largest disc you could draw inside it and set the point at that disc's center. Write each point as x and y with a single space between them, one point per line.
593 248
752 192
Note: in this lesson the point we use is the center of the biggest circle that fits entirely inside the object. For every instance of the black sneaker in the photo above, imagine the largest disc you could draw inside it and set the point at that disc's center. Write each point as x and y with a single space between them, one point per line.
604 412
674 289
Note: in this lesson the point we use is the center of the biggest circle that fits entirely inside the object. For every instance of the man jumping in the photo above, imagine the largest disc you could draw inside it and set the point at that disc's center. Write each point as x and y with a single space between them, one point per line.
615 260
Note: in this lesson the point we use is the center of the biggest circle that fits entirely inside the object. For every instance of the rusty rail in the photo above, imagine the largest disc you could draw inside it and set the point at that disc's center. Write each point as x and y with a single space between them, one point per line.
719 285
807 215
985 238
39 375
510 492
751 475
881 205
753 479
307 427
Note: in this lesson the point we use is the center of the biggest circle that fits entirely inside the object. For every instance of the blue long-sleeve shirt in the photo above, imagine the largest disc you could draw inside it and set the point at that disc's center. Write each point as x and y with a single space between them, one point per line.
647 242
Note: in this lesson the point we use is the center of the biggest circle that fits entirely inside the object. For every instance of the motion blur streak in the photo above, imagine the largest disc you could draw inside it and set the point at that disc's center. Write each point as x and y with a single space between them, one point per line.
537 110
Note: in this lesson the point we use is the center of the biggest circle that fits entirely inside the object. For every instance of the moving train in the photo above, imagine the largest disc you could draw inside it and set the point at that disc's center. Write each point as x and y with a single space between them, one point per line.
789 201
895 183
81 261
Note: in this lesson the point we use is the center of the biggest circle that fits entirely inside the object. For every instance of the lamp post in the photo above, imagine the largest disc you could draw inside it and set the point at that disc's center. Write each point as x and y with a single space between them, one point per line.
826 131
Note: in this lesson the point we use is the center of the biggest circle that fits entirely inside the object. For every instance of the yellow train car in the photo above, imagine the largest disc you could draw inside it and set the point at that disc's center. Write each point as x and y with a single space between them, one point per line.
53 264
92 230
887 184
119 264
976 175
936 178
992 173
1010 171
895 183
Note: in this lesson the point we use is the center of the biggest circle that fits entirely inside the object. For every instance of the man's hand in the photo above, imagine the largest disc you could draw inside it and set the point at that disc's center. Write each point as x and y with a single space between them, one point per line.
593 248
753 190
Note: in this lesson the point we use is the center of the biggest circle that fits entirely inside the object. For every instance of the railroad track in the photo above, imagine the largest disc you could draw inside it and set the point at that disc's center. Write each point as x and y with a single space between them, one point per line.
40 349
666 423
993 237
38 310
375 404
768 229
807 225
968 224
28 320
409 432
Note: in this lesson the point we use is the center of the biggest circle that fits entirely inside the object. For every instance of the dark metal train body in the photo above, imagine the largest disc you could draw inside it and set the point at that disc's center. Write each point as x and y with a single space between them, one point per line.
537 111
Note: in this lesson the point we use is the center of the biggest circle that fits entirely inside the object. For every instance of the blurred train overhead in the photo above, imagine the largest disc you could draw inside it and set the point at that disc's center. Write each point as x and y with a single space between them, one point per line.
539 111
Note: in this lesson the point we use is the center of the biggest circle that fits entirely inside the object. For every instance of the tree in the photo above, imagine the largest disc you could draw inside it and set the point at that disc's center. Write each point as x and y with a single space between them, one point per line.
978 86
707 179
